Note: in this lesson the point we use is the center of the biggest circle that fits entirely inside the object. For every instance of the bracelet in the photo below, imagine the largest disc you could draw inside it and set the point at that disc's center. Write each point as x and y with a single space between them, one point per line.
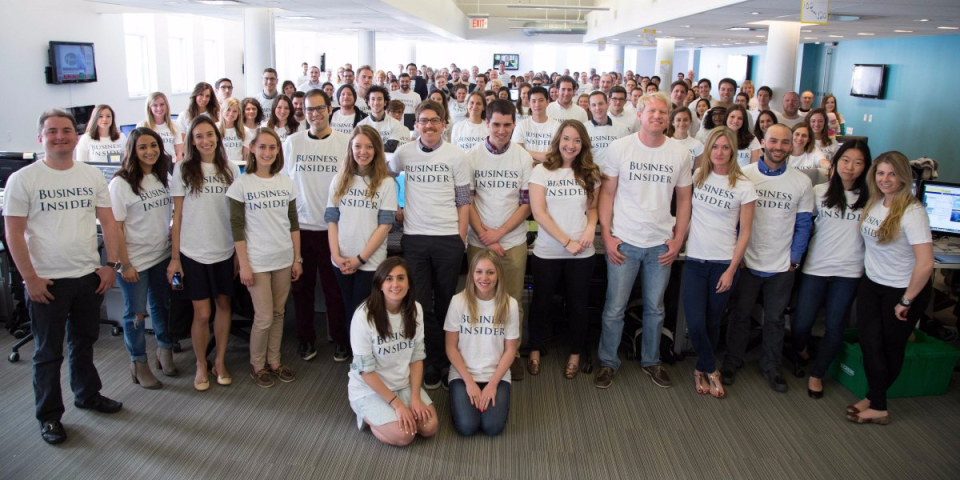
391 400
568 242
362 261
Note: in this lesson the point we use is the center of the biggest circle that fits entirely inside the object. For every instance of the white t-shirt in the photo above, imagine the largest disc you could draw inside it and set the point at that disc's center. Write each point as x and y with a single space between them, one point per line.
184 119
694 146
388 128
779 200
829 150
170 141
806 161
393 355
205 234
788 122
342 123
467 134
482 342
556 112
60 207
306 86
836 247
90 150
312 163
410 100
361 105
892 264
458 111
359 217
601 136
430 206
647 179
627 118
743 155
567 205
146 219
233 145
533 136
266 203
497 182
266 103
715 217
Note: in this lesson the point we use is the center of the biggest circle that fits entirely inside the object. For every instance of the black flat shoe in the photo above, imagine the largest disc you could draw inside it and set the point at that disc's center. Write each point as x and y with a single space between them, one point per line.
99 403
728 375
52 432
815 394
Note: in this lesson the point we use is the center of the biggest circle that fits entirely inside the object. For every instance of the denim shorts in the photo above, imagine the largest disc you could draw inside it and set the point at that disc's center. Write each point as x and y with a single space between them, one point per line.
378 412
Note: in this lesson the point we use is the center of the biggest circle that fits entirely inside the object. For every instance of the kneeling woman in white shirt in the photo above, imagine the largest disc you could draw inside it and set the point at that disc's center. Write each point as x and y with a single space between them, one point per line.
263 218
896 289
482 332
360 212
103 141
386 376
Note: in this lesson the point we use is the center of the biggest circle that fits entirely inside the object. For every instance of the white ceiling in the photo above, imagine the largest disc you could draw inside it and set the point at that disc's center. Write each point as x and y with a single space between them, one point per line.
708 29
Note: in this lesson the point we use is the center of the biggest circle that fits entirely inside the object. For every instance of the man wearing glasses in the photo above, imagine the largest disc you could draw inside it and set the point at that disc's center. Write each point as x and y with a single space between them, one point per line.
270 92
312 157
436 212
224 89
618 111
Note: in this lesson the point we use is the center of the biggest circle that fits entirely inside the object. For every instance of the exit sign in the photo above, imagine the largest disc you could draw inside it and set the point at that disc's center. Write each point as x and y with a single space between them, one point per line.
478 23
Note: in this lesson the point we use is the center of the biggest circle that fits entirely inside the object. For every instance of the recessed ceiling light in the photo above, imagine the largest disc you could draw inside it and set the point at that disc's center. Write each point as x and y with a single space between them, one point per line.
684 26
836 36
922 20
297 17
865 34
949 28
740 29
753 43
903 31
806 31
809 38
754 13
219 3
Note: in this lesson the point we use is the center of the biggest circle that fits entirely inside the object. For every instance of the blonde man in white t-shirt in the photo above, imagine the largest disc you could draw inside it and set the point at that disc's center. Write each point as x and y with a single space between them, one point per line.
50 210
640 176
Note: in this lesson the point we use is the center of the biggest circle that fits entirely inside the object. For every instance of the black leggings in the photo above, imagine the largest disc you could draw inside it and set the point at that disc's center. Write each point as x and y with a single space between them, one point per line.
883 337
548 274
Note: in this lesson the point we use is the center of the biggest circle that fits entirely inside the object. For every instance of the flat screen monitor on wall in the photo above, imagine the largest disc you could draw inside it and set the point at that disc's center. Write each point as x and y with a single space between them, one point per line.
868 81
72 62
511 61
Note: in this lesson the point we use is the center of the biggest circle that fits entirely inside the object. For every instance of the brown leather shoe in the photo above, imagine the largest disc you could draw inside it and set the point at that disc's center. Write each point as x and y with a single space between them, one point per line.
659 376
604 377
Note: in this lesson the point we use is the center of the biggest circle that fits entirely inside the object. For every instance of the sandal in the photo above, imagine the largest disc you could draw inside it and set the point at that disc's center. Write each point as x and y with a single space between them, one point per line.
533 366
572 370
716 387
703 387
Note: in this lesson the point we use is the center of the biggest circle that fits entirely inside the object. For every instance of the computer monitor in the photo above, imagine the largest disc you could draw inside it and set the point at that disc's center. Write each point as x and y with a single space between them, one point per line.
849 138
942 202
174 116
108 169
126 129
11 162
81 115
514 94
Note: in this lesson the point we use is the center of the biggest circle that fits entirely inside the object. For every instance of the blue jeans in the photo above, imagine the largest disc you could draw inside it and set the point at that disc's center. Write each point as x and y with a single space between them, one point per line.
620 278
838 293
702 307
467 420
153 286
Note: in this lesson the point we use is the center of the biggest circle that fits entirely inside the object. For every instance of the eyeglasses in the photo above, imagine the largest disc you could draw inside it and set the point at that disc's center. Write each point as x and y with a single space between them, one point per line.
319 109
226 87
430 121
270 79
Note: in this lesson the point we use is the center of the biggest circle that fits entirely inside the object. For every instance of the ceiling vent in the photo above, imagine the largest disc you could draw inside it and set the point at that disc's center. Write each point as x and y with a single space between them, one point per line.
544 28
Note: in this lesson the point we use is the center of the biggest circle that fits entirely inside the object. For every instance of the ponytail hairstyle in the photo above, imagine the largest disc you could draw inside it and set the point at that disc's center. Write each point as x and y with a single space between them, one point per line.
376 303
890 228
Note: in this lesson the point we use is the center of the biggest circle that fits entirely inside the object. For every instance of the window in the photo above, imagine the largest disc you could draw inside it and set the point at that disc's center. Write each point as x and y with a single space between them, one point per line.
181 54
213 47
141 63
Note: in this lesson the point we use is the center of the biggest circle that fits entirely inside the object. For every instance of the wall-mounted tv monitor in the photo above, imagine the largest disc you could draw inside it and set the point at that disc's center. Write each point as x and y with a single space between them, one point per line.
868 81
942 201
72 62
511 61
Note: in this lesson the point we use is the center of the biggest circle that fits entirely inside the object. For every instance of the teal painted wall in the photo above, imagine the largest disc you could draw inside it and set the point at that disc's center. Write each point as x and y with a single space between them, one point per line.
918 115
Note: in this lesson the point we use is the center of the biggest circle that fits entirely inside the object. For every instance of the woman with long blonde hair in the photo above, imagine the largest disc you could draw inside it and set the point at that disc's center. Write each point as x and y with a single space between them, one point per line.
234 135
723 200
482 335
898 262
360 213
158 119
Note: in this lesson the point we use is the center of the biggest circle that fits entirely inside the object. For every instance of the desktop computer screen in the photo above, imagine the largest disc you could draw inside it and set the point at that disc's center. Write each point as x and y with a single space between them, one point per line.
942 202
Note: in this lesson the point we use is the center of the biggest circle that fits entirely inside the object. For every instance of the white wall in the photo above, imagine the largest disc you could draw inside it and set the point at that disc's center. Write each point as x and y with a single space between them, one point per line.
713 63
30 26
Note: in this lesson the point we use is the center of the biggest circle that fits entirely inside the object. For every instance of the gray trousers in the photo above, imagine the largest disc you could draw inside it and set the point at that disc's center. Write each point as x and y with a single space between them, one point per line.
775 291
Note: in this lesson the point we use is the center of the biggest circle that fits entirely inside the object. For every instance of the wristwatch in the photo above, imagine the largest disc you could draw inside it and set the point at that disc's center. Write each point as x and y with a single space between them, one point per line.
116 265
904 301
299 260
796 266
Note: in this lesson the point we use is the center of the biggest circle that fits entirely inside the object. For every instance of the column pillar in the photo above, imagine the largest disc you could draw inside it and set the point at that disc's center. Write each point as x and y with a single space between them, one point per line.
780 62
663 66
259 47
618 54
366 48
412 53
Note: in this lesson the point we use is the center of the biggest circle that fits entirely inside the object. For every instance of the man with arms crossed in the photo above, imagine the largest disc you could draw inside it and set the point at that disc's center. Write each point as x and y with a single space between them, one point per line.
640 176
50 211
785 204
435 216
501 203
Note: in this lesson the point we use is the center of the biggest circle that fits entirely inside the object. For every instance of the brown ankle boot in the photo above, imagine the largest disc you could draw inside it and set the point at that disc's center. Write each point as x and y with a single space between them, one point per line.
141 374
165 362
